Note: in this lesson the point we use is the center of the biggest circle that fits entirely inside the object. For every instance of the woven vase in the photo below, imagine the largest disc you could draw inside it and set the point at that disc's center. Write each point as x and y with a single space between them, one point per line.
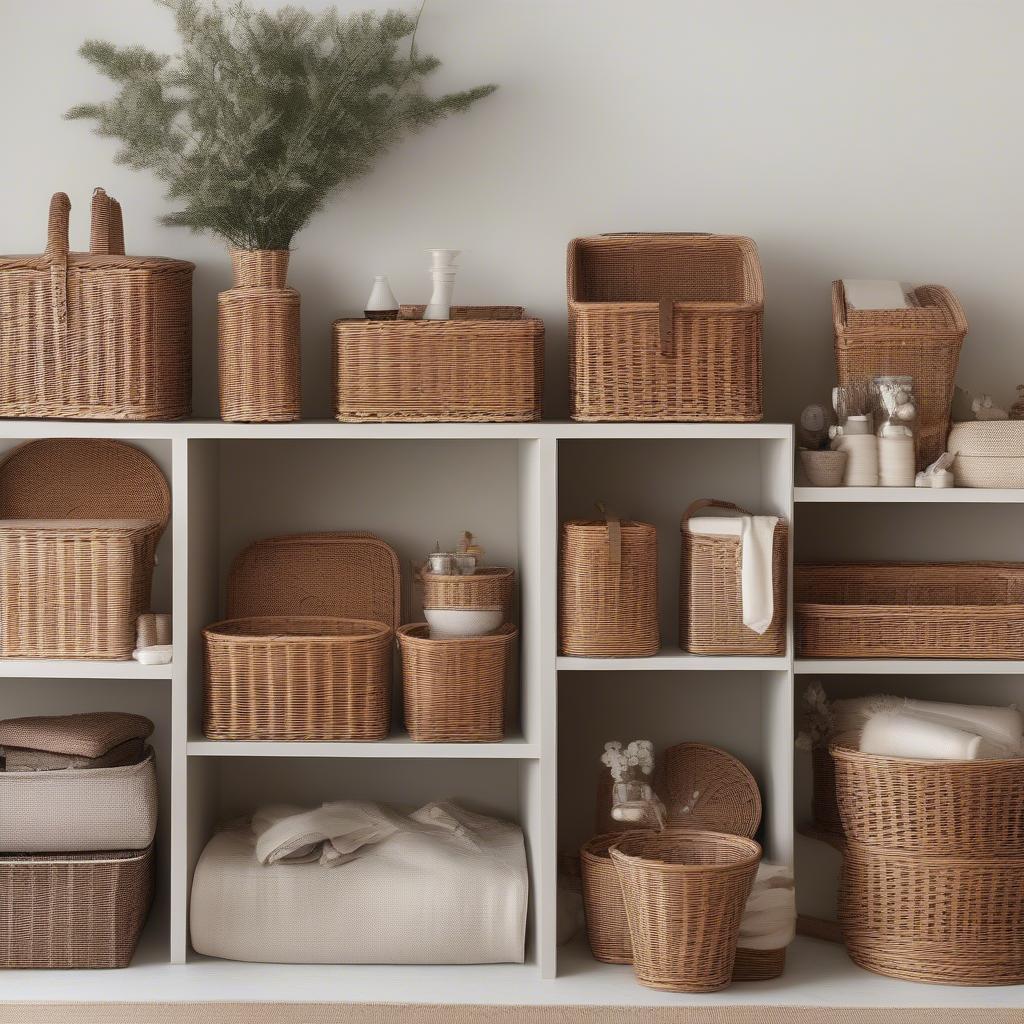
258 340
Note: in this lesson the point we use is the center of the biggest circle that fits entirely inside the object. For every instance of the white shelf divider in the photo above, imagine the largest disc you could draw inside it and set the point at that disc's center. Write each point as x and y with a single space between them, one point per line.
395 747
670 659
46 668
905 667
923 495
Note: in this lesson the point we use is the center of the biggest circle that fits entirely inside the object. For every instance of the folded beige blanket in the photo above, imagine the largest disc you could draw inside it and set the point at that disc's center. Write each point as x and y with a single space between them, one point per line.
88 735
16 759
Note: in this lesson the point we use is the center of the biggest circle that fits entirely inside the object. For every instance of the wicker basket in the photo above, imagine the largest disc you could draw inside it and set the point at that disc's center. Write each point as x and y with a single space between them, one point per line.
73 910
80 521
485 364
758 964
608 589
988 454
710 591
455 689
910 610
665 327
824 807
297 678
922 342
684 893
94 336
486 588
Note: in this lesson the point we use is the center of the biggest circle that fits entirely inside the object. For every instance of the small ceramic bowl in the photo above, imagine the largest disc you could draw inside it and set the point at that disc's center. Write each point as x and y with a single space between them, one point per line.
450 623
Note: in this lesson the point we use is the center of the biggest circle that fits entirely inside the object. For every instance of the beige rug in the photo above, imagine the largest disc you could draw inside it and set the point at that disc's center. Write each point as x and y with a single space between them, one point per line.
392 1013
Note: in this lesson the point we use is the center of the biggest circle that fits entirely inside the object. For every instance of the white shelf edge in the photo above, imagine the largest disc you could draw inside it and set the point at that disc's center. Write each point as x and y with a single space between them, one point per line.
396 747
905 666
73 668
673 660
923 495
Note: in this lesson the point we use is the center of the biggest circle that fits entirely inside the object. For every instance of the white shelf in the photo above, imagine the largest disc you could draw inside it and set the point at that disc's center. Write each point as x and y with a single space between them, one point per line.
46 668
672 659
924 495
395 747
905 666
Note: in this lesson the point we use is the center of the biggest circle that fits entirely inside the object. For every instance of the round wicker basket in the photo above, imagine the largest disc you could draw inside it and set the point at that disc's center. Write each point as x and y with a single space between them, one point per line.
486 588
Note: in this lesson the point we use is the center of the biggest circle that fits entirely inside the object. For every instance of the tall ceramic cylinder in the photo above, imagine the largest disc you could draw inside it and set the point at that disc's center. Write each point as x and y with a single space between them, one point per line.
258 341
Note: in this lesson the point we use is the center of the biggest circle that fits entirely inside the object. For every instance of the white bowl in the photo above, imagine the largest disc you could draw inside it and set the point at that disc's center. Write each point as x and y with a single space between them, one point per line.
448 623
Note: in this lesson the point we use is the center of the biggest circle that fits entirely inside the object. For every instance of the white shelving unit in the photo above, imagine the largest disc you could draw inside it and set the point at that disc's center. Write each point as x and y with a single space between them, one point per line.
513 484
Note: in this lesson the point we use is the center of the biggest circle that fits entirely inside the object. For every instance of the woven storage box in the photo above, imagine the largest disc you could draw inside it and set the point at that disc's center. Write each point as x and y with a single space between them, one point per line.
922 342
95 335
684 892
486 588
910 610
710 591
608 589
78 809
298 678
73 910
988 454
455 689
485 364
79 524
665 327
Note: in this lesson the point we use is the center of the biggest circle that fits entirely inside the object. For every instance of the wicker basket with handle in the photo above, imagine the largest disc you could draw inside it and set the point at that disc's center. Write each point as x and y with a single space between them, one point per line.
665 327
711 592
97 335
80 520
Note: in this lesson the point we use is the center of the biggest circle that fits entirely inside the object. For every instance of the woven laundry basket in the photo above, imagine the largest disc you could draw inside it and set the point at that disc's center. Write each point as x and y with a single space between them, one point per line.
97 335
485 364
79 809
80 520
711 592
608 589
922 342
487 588
988 454
665 327
910 610
70 910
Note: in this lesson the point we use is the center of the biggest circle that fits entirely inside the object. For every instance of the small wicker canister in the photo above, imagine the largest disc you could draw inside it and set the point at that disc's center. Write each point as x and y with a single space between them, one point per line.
665 327
922 342
485 364
710 591
97 335
608 589
455 688
491 587
988 454
258 341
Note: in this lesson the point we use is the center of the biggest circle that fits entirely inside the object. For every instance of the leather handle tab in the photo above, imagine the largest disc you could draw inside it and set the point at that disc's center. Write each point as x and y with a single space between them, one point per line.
666 332
614 527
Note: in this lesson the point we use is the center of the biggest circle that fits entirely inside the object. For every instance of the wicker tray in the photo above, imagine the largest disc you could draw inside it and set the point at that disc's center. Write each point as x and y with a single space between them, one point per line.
73 910
80 521
665 327
486 588
910 610
96 335
485 364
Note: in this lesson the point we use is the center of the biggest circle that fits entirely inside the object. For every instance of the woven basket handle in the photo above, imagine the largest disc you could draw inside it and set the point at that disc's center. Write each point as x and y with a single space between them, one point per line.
57 256
644 234
702 503
614 527
106 237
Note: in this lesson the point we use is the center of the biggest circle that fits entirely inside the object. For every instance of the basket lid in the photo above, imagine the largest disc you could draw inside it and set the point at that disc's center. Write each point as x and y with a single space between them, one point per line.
337 575
82 478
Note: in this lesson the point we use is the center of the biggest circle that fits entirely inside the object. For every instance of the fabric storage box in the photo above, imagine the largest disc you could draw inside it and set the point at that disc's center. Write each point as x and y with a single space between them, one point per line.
95 335
988 454
70 910
79 809
485 364
922 341
665 327
710 590
608 589
79 525
910 610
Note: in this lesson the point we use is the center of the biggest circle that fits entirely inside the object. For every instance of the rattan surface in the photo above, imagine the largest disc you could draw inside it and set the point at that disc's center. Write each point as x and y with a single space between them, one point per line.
824 806
491 587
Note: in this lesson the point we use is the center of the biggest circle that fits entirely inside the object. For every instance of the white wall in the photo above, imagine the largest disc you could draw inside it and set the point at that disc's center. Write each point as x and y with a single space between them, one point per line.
860 139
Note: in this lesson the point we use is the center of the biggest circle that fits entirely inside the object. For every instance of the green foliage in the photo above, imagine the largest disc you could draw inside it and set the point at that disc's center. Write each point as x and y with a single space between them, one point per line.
263 114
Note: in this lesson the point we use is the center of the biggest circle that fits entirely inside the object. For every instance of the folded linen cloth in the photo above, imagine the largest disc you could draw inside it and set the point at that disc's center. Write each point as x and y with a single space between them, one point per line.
16 759
757 538
88 735
769 917
907 736
862 293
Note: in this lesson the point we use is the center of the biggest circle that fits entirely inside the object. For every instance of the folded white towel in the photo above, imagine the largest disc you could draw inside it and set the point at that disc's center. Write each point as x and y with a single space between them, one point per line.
869 294
1002 726
907 736
769 917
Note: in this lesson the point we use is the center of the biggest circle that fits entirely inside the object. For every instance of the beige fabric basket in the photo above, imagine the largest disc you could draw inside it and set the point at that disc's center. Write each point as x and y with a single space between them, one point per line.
79 809
988 454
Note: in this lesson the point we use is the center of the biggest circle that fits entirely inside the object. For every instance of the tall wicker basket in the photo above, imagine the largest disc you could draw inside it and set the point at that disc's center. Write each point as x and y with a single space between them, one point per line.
665 327
97 335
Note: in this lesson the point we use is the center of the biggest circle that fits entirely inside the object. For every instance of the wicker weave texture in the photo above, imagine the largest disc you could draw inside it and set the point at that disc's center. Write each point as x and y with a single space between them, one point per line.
297 678
707 788
486 588
608 592
947 920
665 327
922 342
485 364
758 964
711 594
824 806
258 341
897 610
73 910
96 335
455 689
670 880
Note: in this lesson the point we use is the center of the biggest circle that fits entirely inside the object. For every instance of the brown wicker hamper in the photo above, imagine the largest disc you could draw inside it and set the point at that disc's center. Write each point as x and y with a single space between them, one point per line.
97 335
80 520
665 327
485 364
73 910
710 592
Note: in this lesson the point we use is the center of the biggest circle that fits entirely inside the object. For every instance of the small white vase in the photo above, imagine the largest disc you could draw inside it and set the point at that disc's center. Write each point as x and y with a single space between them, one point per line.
382 304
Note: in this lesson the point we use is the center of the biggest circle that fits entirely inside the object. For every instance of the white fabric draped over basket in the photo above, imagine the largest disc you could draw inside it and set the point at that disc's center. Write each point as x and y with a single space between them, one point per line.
450 887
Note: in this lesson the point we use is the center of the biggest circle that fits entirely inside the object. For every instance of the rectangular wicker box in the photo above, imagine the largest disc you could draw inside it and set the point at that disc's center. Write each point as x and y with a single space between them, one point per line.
665 327
486 365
